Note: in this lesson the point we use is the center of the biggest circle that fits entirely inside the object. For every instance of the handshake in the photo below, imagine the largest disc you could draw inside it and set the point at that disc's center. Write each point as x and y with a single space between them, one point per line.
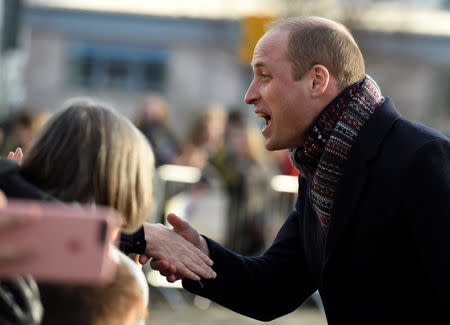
177 253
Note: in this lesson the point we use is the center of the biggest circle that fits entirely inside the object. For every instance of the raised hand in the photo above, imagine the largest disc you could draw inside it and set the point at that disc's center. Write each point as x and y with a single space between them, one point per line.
16 156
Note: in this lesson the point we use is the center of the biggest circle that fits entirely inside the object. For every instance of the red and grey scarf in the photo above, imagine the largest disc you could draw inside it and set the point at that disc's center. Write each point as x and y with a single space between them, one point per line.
329 140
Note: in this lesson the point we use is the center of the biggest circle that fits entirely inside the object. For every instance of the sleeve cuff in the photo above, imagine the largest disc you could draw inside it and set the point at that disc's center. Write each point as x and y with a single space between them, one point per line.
133 243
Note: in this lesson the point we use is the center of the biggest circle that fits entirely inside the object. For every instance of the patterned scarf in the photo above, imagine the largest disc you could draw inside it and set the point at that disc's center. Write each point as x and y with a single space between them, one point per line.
329 141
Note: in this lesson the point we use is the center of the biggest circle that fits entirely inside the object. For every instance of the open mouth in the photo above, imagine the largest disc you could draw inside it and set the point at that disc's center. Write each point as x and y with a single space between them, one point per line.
266 117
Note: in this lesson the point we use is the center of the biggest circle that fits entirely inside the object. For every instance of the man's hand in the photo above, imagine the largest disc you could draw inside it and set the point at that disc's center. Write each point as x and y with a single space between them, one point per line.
174 256
184 229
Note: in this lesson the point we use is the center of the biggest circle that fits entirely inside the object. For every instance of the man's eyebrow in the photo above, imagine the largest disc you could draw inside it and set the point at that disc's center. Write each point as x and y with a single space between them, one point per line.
259 64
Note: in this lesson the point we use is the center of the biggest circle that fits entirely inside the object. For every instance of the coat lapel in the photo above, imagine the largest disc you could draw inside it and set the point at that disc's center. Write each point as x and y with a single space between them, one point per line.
365 148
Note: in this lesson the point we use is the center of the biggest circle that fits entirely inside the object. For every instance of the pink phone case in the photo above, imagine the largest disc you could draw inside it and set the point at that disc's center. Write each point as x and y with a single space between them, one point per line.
69 243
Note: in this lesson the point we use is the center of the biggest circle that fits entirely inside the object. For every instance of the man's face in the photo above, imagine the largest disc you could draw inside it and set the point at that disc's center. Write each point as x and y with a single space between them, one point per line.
285 103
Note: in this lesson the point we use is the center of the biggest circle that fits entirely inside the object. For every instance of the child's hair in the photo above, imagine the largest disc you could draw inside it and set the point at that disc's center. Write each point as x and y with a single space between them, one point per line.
89 153
117 303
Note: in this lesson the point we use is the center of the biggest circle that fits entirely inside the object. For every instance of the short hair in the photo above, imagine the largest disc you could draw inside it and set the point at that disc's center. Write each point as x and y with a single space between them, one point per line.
316 40
90 153
109 304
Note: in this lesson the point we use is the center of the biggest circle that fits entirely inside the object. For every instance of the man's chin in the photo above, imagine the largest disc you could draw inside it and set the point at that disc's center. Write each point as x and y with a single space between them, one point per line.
268 146
272 146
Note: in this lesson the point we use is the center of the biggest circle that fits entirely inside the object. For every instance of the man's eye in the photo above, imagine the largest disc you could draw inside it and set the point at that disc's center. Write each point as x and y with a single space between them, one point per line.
264 75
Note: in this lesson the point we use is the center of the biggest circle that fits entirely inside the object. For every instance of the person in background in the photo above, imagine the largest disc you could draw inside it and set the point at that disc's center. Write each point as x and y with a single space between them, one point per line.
26 123
371 226
17 129
153 122
245 172
203 143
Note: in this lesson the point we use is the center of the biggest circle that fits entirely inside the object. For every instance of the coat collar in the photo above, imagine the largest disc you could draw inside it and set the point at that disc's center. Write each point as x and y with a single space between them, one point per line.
364 149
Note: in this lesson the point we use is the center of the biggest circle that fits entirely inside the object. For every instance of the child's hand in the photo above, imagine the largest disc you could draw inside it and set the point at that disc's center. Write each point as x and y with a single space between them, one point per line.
16 156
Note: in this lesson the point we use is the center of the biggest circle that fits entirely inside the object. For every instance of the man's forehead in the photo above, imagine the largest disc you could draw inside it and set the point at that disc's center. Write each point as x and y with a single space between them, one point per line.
272 46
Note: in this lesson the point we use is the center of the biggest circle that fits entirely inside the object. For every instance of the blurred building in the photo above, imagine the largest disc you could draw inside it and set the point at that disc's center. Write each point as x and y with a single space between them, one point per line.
414 70
119 57
406 45
191 51
12 57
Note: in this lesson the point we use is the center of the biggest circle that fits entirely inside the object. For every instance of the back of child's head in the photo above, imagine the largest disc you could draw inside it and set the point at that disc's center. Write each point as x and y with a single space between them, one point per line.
117 303
89 153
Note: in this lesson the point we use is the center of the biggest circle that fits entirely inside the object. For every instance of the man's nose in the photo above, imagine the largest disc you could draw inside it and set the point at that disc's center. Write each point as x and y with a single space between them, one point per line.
251 95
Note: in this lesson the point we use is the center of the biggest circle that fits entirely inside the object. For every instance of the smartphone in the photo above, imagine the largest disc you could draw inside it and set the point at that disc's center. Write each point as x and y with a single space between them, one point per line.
65 243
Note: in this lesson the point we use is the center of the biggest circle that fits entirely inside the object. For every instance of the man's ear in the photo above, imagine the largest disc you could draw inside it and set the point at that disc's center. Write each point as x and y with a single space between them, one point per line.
319 77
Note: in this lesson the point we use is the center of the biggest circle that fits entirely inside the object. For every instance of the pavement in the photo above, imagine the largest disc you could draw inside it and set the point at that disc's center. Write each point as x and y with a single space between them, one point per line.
176 306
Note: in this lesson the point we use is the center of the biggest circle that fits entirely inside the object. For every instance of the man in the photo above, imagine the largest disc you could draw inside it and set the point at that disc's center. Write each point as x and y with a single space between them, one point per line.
371 226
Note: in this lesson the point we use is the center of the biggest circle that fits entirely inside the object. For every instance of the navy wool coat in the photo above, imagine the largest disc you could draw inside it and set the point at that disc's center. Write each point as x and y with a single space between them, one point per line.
386 257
